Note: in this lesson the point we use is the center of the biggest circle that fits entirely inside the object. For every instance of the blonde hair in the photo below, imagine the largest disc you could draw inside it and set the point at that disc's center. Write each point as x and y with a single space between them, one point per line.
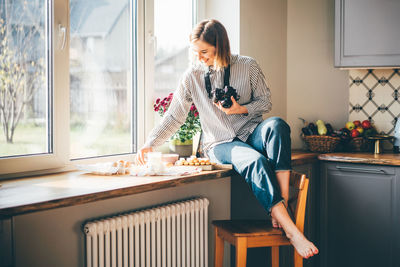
214 33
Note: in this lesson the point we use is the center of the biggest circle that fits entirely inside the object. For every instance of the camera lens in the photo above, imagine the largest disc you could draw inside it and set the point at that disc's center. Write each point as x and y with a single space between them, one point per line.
226 103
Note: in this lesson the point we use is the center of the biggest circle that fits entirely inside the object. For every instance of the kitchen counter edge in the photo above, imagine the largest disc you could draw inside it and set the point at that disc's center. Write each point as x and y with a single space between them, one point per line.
390 159
39 193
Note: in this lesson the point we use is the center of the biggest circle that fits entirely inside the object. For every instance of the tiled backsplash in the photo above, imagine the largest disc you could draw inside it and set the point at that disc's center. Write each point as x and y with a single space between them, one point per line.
375 95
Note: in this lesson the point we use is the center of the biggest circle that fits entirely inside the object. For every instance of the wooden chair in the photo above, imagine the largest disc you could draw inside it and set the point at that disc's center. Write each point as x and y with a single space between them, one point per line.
250 234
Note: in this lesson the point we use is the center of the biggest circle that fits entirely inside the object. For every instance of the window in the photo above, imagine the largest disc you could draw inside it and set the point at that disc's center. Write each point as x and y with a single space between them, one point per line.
24 79
171 41
101 88
79 88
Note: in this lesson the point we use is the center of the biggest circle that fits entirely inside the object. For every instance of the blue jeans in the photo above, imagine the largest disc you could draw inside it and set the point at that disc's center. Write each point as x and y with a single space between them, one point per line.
267 150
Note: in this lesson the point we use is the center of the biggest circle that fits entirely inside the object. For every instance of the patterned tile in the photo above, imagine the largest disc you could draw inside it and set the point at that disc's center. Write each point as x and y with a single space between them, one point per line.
383 122
375 95
358 116
382 94
395 108
369 80
358 94
395 80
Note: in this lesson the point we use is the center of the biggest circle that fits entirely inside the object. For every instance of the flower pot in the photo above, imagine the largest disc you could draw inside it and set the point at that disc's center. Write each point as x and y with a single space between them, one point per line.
184 149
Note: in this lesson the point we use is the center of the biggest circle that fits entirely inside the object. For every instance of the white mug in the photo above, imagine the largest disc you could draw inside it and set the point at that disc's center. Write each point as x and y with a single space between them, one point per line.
154 162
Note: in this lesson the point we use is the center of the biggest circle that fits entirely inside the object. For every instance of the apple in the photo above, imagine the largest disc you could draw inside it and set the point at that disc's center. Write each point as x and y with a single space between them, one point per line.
350 125
360 129
354 133
366 124
357 123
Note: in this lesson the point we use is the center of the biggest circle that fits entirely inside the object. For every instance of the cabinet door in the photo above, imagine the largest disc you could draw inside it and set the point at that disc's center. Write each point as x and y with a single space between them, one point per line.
358 218
367 33
6 249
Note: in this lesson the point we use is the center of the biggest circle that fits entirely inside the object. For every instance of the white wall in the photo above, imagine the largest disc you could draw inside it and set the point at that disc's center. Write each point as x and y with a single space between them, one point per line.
227 12
263 37
315 89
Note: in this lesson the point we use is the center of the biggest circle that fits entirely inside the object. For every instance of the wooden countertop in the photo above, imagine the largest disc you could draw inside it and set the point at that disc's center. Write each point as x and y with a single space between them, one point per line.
366 158
301 157
73 188
24 195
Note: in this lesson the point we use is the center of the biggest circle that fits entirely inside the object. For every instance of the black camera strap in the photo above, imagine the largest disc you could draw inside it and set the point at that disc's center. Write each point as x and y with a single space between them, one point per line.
227 74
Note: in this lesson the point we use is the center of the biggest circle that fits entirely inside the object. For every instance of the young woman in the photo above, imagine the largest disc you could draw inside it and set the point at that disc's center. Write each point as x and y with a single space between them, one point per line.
259 150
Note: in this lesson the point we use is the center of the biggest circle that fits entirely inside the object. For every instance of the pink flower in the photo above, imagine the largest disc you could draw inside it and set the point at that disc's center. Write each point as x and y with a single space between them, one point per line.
157 101
196 114
193 108
156 108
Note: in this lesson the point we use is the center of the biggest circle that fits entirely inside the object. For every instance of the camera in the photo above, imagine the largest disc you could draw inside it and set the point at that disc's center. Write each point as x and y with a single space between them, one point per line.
224 96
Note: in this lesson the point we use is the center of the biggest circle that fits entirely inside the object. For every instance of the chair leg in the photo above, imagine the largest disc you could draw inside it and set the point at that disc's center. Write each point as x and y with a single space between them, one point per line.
241 252
298 260
219 249
275 256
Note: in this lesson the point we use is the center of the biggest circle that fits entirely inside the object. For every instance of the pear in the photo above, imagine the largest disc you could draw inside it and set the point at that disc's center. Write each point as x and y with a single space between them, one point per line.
321 127
350 125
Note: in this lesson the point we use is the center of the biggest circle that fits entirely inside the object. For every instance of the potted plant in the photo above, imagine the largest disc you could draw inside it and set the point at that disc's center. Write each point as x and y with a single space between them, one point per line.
182 141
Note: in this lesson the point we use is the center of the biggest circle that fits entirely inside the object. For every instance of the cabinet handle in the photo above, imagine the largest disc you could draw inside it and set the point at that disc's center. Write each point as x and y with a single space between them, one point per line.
353 169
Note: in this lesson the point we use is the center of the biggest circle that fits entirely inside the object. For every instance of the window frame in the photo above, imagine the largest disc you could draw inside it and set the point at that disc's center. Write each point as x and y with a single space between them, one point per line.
142 82
58 110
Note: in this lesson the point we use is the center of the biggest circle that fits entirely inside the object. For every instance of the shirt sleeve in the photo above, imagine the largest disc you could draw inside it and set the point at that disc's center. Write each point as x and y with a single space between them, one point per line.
175 115
261 95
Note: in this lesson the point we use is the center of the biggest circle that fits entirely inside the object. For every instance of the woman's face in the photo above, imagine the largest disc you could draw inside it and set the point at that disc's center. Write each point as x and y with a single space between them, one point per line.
204 52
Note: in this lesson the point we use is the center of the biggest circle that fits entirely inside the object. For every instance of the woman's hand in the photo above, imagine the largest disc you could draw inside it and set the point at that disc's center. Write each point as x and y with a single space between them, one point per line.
139 160
234 109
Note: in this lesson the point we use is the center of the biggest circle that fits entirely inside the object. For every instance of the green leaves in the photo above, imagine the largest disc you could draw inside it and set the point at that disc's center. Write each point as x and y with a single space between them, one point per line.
192 124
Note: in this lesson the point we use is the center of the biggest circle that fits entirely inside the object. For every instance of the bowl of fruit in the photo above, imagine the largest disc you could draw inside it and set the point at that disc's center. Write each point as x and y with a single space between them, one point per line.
356 136
320 136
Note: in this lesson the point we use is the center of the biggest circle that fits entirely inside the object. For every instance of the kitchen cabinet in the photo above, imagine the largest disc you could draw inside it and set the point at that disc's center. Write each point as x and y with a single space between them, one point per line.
360 215
367 33
5 242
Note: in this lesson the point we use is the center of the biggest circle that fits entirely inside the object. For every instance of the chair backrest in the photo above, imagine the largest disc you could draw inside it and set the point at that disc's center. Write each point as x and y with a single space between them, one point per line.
298 201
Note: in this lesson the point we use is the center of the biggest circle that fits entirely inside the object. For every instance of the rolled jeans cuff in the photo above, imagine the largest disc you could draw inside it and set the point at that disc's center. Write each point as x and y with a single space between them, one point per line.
282 170
276 203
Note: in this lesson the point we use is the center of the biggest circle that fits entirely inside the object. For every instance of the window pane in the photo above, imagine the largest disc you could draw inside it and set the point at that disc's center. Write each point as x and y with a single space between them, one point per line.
23 77
172 34
100 77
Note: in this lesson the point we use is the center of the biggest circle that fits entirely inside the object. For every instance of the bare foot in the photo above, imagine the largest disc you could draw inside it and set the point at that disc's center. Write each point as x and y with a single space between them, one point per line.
304 247
275 223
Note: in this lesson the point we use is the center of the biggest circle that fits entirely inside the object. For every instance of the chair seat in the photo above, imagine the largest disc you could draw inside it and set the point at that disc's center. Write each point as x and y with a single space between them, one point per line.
248 228
257 233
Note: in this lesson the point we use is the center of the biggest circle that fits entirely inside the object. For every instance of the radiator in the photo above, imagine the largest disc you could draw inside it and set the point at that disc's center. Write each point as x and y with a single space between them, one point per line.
165 236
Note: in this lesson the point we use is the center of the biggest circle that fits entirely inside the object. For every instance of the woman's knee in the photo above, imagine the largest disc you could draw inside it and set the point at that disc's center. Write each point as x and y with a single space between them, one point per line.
277 124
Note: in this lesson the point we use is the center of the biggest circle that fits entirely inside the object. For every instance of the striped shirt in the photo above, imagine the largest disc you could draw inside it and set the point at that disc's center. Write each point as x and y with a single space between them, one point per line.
217 127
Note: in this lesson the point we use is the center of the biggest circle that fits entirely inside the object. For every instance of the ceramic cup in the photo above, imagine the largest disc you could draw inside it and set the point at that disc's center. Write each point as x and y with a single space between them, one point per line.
154 162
